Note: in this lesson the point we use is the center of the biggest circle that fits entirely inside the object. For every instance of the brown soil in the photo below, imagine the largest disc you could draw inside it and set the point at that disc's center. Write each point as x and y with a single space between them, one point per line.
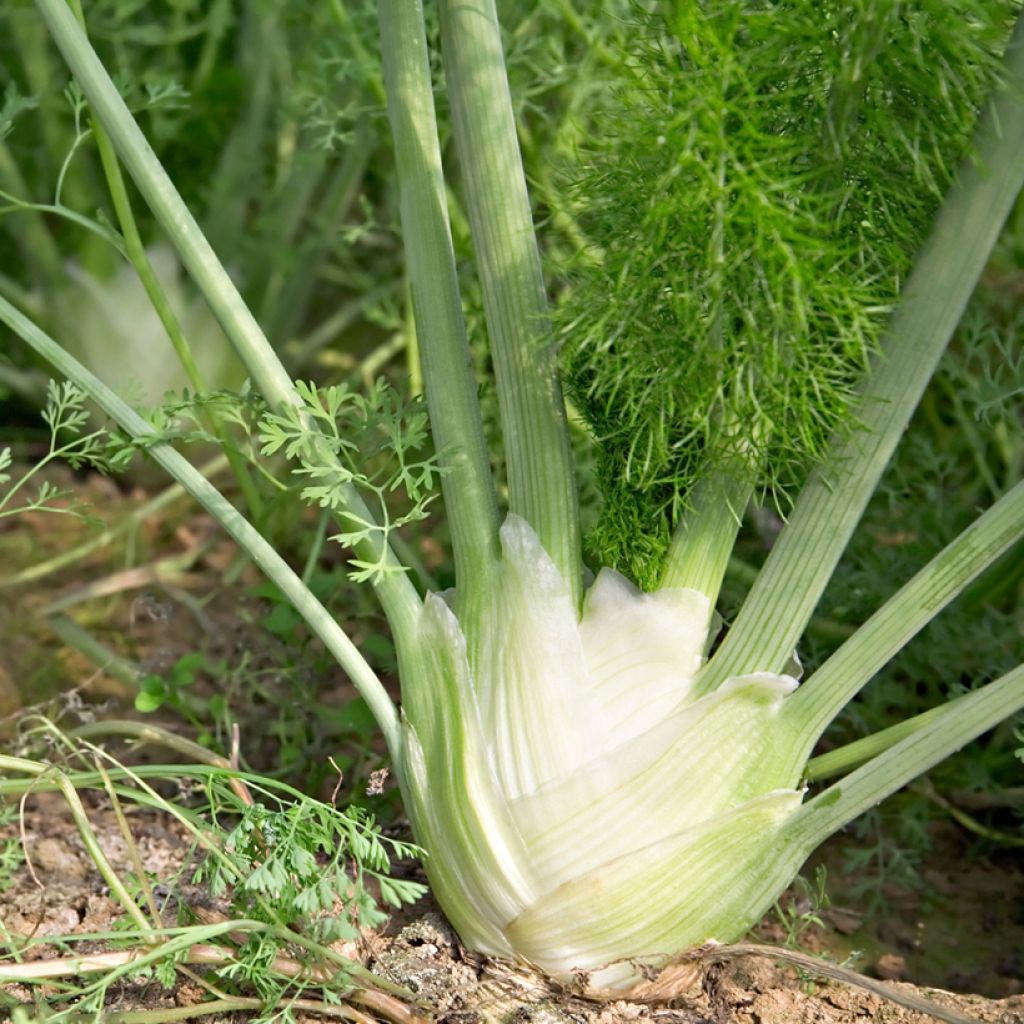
58 892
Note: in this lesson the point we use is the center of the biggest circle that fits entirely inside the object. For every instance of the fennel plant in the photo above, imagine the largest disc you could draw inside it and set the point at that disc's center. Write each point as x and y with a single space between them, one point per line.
595 781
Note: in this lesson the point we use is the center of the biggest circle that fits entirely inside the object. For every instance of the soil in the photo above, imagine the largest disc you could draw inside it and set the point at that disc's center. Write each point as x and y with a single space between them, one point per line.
961 930
57 891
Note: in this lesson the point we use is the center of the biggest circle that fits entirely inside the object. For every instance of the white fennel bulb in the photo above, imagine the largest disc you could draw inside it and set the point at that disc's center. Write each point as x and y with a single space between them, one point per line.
580 801
111 326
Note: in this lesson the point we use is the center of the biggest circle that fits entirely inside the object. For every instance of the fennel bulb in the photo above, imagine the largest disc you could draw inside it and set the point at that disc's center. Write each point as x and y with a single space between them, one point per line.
581 803
114 330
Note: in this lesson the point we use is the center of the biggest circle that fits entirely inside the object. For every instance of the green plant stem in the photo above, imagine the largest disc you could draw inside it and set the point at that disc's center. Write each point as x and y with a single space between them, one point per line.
826 629
141 879
852 755
289 300
412 558
541 483
144 732
396 593
109 237
836 682
703 541
54 453
830 505
316 547
270 562
935 740
469 498
413 363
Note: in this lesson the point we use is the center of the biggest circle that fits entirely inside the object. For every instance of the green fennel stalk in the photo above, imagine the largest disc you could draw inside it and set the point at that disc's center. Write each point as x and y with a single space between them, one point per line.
558 741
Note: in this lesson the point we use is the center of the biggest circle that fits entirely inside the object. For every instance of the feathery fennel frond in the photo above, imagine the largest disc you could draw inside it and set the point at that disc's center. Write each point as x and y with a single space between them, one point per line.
767 173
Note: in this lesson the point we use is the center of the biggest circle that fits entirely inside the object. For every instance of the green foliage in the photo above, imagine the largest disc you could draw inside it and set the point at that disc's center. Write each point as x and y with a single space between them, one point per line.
769 171
290 874
66 416
886 851
251 108
282 688
765 175
13 105
306 864
378 446
155 691
802 908
184 418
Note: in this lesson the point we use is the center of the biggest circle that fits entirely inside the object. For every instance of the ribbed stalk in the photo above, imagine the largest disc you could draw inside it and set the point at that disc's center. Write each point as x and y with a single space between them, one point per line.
470 503
397 594
541 484
838 681
237 177
860 790
844 759
830 505
290 299
703 541
273 565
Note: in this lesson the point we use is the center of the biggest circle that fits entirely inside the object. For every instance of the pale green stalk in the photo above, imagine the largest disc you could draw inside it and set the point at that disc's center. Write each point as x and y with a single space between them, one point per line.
469 497
975 713
853 755
237 177
270 562
541 482
830 505
838 681
704 537
703 541
397 594
813 822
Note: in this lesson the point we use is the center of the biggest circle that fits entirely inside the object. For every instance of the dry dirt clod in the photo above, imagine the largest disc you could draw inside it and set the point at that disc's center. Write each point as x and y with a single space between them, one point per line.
53 856
422 959
891 967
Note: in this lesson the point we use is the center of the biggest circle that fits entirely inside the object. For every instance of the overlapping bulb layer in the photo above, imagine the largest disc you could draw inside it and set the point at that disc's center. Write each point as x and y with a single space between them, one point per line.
580 801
